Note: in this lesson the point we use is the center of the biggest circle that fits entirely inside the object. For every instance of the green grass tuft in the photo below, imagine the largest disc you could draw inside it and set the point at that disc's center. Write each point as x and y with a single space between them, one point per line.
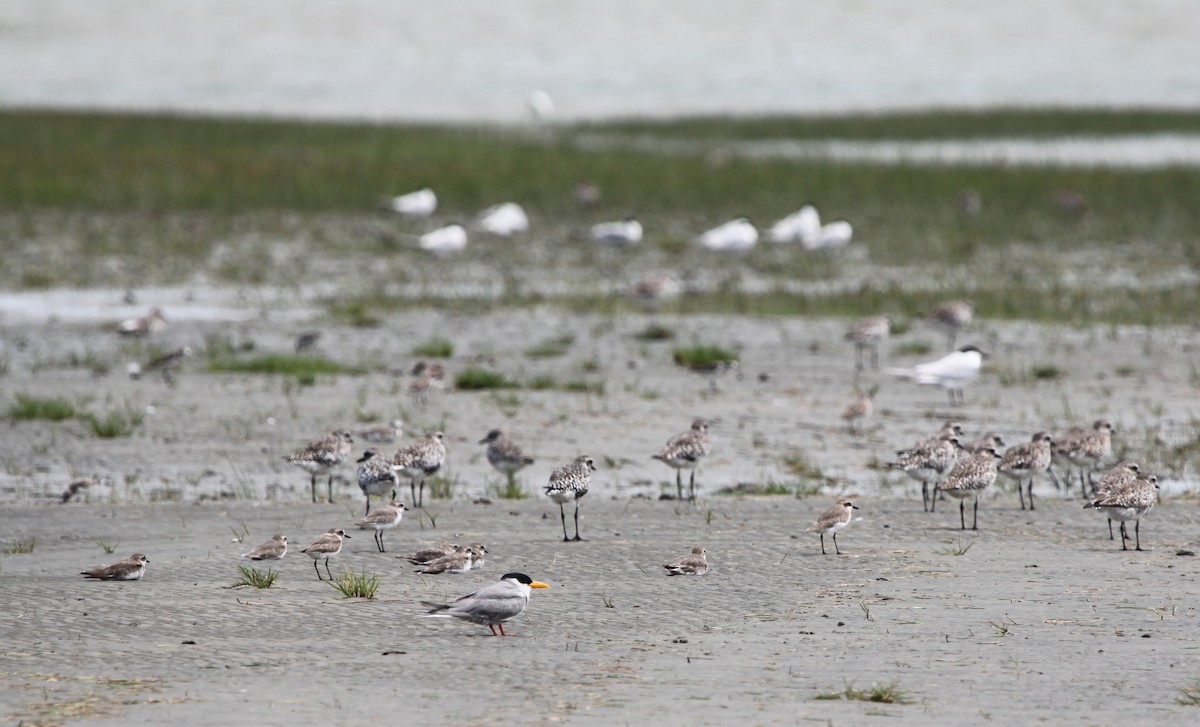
551 347
510 490
1189 696
434 348
254 578
655 332
889 693
53 408
475 378
299 365
21 546
115 423
703 356
355 585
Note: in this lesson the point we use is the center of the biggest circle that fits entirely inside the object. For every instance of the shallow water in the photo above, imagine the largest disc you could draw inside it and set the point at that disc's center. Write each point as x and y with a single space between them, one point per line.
479 60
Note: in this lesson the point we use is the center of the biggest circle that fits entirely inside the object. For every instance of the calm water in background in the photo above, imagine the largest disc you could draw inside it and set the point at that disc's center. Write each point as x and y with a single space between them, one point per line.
480 59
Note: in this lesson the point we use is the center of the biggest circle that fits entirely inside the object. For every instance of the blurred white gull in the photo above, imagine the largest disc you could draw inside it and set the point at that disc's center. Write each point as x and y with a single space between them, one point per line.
419 204
951 372
444 240
736 235
505 219
540 105
800 226
835 234
618 234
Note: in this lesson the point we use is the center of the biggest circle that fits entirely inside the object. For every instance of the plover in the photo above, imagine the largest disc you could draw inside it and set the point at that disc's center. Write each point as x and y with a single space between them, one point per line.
418 460
1130 502
444 240
571 482
651 292
859 410
684 451
273 549
504 455
969 477
325 546
618 234
1119 477
428 377
386 434
1088 450
169 362
952 316
457 562
1058 454
433 552
505 220
1025 462
928 463
130 569
737 235
306 341
77 486
801 226
152 322
321 456
868 334
384 518
833 520
952 372
991 439
419 204
692 564
376 477
490 606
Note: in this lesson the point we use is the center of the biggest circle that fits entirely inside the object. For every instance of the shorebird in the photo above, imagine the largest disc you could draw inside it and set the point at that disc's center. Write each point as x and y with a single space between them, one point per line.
152 322
1088 450
860 409
571 482
325 546
737 235
868 334
952 316
1118 478
684 451
692 564
490 606
652 291
1027 461
444 240
505 220
386 434
273 549
800 226
460 561
1062 444
504 455
928 462
321 456
968 478
618 234
1130 502
421 458
77 486
991 439
433 552
833 520
427 377
384 518
306 341
169 362
419 204
952 372
130 569
376 477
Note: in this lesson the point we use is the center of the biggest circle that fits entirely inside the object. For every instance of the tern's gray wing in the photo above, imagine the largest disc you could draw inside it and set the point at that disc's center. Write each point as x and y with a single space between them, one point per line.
494 604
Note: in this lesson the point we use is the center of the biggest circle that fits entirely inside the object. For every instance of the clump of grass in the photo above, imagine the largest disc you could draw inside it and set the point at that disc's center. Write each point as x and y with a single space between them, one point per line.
957 548
1189 696
108 547
702 356
1125 371
441 487
770 487
913 348
299 365
254 578
801 465
543 382
52 408
655 332
21 546
1046 372
551 347
434 348
356 585
355 313
581 386
510 490
889 693
115 423
475 378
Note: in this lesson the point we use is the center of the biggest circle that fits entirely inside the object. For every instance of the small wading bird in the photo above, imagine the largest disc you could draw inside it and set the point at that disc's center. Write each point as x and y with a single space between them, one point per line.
376 477
321 456
152 322
1130 502
504 220
868 334
418 460
951 316
130 569
490 606
833 520
273 549
384 518
1027 461
737 235
571 482
952 372
325 546
692 564
968 478
684 451
504 455
618 234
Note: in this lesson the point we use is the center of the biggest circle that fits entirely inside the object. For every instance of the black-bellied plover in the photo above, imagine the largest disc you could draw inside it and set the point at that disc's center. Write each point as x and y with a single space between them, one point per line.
990 439
951 316
504 455
325 546
321 456
858 410
1130 502
1120 476
384 518
970 477
1025 462
428 378
868 334
152 322
376 477
928 463
833 520
490 606
952 372
273 549
419 459
385 434
684 451
571 482
694 563
1088 450
130 569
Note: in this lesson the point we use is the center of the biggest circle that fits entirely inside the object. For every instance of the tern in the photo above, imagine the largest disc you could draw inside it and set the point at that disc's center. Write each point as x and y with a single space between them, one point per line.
490 606
952 372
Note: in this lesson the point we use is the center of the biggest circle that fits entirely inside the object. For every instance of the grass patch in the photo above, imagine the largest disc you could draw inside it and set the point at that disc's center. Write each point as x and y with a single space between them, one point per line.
52 408
770 487
475 378
441 487
254 578
21 546
115 423
957 547
798 463
595 388
299 365
434 348
889 693
1046 372
1189 696
655 332
108 547
703 355
542 382
355 585
912 348
510 490
551 347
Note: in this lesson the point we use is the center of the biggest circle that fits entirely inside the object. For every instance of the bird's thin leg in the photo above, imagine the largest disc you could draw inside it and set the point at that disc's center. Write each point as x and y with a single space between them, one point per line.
836 549
412 491
318 570
933 498
692 486
379 533
1110 532
493 628
1124 536
563 513
329 488
422 490
313 483
327 569
875 357
1137 533
368 512
577 520
501 627
1021 493
1084 485
925 496
975 517
1054 478
678 484
822 543
962 516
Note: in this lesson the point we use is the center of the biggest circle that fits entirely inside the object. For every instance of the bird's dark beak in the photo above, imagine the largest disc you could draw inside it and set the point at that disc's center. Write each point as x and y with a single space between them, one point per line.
856 507
347 537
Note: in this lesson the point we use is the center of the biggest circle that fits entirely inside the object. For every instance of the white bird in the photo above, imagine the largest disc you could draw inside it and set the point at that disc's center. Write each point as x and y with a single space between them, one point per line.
540 105
736 235
800 226
833 235
505 220
444 240
419 204
618 234
952 372
490 606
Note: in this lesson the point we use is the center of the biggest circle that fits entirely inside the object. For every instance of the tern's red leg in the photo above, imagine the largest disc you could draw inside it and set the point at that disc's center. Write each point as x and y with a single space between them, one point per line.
493 628
502 630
